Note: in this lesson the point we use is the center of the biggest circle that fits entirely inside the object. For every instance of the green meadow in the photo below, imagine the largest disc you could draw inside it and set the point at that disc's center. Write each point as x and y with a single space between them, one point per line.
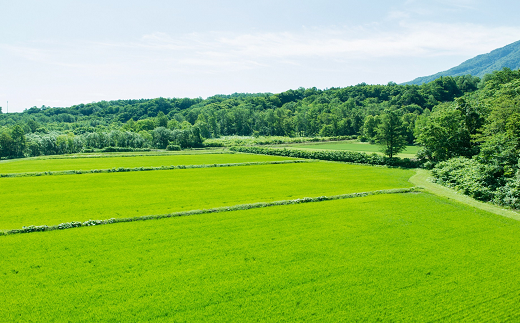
365 147
78 162
50 200
391 258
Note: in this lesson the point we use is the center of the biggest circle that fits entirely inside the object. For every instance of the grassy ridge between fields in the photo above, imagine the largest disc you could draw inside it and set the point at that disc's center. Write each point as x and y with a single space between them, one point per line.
397 257
143 169
70 225
51 200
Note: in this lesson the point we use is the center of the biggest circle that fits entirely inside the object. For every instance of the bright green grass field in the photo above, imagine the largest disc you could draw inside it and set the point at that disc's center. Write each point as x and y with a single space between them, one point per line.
390 258
78 163
50 200
410 151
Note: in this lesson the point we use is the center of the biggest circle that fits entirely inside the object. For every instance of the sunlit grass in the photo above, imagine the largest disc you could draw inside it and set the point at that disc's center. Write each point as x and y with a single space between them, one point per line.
392 258
50 200
107 162
409 152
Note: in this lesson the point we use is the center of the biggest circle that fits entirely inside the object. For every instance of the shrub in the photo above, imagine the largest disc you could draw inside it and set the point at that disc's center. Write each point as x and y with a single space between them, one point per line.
173 147
468 176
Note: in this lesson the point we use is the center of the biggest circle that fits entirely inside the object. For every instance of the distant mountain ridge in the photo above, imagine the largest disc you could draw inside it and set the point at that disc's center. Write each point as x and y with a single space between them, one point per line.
507 56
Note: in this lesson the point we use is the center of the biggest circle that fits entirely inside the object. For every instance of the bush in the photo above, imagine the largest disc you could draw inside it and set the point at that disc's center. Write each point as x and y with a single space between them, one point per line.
173 147
122 149
468 176
509 194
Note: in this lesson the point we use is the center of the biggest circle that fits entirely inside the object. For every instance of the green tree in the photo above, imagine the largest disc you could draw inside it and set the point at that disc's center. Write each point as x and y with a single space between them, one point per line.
370 127
33 125
19 141
161 137
444 135
146 124
390 134
161 120
130 125
6 145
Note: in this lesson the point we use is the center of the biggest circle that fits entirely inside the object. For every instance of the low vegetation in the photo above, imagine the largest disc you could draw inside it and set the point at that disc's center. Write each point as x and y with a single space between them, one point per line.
376 258
51 200
343 156
76 224
353 145
81 162
230 141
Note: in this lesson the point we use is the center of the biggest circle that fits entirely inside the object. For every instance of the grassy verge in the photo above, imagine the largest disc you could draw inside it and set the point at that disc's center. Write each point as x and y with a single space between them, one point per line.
422 179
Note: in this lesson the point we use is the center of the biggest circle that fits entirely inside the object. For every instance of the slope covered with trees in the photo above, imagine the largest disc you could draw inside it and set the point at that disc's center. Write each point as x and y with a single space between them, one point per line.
352 111
507 56
473 142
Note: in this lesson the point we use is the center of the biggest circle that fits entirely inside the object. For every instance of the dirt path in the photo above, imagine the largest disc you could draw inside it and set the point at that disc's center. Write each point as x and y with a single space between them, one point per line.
421 179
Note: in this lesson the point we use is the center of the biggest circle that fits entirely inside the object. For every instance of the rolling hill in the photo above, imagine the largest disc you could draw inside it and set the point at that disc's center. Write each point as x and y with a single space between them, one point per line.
507 56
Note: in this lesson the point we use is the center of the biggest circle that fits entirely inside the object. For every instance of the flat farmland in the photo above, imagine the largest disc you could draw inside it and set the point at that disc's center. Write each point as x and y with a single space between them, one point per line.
391 258
107 162
409 152
50 200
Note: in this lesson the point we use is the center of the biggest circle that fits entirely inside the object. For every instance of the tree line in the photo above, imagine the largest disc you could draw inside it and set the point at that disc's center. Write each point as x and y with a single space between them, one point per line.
351 111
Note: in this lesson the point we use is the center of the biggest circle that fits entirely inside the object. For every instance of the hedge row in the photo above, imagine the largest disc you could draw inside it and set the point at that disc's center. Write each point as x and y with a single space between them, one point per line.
70 225
113 150
141 169
61 226
333 155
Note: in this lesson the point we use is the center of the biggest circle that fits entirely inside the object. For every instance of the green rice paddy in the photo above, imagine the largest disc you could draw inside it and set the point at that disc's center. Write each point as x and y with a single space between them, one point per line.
399 257
409 152
50 200
85 163
407 257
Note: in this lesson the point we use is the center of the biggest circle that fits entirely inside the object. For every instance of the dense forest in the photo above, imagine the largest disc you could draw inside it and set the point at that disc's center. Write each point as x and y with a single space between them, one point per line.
187 122
469 128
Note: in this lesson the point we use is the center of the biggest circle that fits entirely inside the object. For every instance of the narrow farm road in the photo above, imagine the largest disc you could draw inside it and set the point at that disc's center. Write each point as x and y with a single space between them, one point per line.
421 179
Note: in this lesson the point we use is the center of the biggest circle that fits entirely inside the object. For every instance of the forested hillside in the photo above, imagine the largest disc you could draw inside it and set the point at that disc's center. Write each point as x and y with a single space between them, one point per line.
350 111
507 56
475 141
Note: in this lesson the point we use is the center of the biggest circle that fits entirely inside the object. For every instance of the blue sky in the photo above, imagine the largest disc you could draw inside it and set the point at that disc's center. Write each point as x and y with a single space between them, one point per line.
61 53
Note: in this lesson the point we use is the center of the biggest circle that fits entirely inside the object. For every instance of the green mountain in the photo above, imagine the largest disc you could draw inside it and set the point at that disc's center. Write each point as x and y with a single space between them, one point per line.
508 56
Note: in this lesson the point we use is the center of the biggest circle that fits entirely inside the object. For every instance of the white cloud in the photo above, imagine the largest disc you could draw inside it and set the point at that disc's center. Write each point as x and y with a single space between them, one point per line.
410 39
219 51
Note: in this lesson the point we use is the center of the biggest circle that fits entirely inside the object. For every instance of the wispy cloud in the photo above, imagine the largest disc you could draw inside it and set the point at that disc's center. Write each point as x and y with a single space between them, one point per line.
214 51
408 40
